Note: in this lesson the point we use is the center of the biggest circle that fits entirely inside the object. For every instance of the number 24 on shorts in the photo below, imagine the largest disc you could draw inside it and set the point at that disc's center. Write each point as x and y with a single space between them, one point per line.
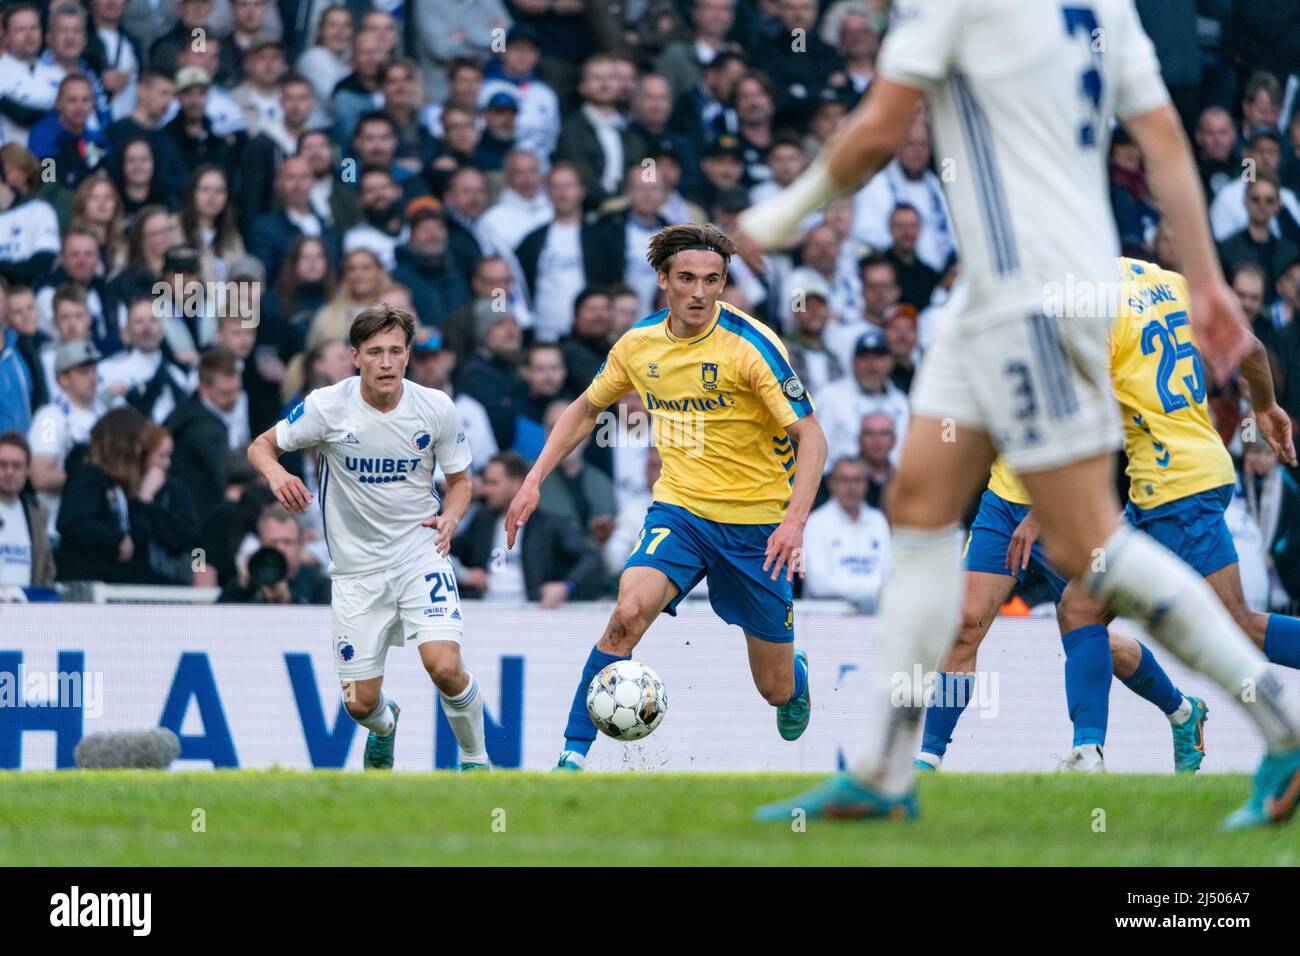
657 536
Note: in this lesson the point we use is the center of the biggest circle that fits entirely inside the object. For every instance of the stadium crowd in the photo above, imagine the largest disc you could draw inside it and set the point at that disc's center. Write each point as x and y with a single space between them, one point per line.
197 197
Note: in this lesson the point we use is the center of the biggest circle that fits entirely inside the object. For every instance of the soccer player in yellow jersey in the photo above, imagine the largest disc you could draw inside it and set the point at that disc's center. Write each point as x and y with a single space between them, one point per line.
742 457
1180 483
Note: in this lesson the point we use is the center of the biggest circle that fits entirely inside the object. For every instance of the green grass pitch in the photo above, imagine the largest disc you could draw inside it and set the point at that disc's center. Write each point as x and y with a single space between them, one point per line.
290 818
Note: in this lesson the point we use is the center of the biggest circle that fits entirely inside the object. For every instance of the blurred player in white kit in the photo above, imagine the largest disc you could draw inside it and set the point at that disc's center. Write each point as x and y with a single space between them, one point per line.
1021 98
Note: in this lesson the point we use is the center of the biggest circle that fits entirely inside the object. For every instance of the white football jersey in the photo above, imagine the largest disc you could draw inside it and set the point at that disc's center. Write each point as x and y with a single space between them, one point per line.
1021 97
376 469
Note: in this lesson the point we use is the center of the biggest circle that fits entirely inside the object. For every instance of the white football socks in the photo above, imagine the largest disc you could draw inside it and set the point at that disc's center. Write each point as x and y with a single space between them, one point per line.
920 608
380 720
1142 580
465 715
1182 714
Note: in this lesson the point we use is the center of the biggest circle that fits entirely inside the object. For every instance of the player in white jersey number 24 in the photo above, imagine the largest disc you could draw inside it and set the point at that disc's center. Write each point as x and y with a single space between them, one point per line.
1021 97
378 440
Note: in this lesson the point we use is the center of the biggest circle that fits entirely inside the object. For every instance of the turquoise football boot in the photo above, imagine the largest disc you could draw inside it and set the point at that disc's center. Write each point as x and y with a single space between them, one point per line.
467 766
792 717
1276 793
570 762
1189 738
379 750
921 765
840 798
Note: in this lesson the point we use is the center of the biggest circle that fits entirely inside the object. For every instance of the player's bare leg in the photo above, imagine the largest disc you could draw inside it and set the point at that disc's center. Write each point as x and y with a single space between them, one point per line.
985 594
367 705
1277 635
780 672
461 701
1077 513
643 592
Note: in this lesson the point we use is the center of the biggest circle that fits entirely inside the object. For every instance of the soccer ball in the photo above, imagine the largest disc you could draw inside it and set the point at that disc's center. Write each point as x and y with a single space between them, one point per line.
627 700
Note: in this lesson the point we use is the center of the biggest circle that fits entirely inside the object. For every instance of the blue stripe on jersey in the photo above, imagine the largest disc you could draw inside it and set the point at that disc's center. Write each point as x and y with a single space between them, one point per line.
997 220
775 360
650 320
324 486
1061 400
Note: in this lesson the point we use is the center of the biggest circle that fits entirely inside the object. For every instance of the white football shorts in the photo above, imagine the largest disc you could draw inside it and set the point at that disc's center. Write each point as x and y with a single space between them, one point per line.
1038 386
417 601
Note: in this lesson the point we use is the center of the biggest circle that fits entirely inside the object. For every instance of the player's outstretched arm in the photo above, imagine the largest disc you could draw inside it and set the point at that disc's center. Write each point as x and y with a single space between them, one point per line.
867 141
1274 424
264 455
785 545
1217 318
570 429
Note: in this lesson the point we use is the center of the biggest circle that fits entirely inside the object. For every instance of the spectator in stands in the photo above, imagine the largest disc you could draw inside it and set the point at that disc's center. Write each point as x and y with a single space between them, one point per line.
596 138
682 61
544 374
18 312
250 25
189 321
907 179
880 294
359 92
705 112
799 61
629 518
64 422
425 266
1287 296
589 341
498 135
280 530
432 365
33 229
71 325
561 258
306 283
27 83
163 520
552 560
876 443
466 78
202 426
523 205
843 404
1261 157
207 222
457 148
1272 500
851 26
576 491
448 29
383 226
492 373
334 202
144 374
784 159
846 542
916 280
900 336
15 384
364 283
153 99
1256 243
374 145
258 95
197 140
325 62
114 54
97 207
95 534
1216 150
400 86
81 263
165 53
514 71
815 364
152 233
276 139
65 135
1261 102
26 559
273 233
138 180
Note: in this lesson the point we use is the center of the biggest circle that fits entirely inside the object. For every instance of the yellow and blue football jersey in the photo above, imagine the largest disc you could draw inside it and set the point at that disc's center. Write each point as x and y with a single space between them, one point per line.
1173 449
720 402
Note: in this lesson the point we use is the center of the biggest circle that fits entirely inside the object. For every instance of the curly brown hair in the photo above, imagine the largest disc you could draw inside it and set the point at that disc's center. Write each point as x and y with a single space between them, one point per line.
670 240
